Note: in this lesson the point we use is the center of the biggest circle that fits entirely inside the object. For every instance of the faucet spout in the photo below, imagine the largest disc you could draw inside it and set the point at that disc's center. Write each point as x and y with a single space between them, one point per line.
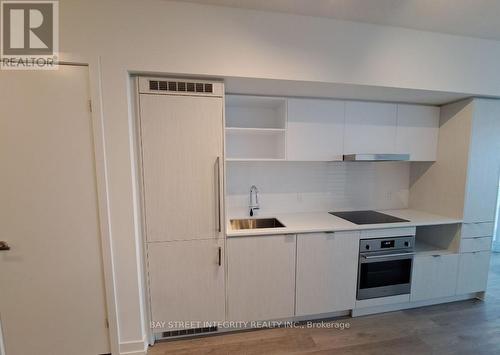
254 200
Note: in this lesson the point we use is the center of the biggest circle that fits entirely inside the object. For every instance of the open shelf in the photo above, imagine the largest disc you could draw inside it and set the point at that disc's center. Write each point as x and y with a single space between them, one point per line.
255 144
437 240
255 128
255 112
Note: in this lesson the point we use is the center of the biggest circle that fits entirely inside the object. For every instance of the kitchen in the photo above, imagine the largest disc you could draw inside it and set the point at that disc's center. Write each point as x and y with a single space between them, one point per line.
284 254
264 179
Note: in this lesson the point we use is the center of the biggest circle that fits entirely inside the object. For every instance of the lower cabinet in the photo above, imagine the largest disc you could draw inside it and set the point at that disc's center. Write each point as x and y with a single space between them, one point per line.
434 276
261 277
473 272
326 272
186 281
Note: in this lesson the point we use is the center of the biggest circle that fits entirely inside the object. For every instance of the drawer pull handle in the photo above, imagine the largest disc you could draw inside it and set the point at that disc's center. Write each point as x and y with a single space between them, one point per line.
4 246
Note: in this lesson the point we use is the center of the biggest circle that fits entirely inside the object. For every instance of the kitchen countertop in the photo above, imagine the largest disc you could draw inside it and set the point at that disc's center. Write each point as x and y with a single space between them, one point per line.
324 222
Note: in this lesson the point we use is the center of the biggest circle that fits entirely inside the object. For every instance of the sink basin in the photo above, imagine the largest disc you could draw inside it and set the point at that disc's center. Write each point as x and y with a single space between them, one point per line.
256 223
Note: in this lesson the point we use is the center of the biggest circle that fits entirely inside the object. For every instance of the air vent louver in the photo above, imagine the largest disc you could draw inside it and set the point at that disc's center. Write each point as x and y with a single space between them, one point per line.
200 87
184 332
153 85
182 86
172 86
163 85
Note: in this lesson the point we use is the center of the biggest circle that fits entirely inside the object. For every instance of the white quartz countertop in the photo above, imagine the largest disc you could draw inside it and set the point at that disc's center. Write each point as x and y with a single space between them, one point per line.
324 222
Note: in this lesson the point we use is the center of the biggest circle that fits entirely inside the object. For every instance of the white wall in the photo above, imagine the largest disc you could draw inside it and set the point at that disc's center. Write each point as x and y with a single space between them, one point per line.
167 37
288 187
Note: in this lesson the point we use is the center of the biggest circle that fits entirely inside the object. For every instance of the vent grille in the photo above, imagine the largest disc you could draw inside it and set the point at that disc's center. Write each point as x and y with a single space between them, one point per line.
184 332
180 86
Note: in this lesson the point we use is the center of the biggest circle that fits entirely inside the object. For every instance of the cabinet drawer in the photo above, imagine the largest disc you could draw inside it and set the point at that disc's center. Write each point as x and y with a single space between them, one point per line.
475 244
473 230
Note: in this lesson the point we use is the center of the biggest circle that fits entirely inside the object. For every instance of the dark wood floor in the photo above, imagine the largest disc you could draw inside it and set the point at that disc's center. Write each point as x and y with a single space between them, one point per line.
468 327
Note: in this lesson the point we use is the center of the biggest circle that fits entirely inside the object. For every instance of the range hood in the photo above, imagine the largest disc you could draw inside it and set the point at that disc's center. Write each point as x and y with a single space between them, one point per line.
376 157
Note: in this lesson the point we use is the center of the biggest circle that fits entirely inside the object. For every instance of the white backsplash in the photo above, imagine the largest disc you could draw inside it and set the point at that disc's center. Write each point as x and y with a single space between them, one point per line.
288 187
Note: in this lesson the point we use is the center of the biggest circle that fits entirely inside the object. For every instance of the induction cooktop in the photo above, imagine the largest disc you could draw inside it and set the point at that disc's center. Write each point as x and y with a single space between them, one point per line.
367 217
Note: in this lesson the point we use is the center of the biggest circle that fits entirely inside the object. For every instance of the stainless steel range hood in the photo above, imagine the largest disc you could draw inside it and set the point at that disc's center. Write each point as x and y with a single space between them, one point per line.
376 157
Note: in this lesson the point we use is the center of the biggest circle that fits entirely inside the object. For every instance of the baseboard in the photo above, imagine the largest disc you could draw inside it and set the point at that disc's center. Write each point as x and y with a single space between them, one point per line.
407 305
139 347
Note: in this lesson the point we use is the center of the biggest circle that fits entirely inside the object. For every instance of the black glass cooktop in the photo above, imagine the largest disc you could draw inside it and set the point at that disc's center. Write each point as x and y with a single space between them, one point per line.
368 217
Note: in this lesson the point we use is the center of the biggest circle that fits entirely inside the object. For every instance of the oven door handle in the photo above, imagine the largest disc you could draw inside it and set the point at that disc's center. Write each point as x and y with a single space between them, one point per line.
369 257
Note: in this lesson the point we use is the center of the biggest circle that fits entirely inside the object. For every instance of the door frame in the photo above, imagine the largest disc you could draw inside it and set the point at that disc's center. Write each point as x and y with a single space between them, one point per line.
93 65
94 73
133 81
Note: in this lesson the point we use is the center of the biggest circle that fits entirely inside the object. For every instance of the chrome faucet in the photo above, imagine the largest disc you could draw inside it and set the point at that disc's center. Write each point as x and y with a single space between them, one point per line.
254 204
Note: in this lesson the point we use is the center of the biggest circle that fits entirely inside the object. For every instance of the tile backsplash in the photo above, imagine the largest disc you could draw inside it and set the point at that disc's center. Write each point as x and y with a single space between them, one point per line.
288 187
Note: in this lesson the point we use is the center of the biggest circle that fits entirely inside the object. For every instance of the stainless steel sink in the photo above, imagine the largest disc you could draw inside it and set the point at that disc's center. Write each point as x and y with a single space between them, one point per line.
256 223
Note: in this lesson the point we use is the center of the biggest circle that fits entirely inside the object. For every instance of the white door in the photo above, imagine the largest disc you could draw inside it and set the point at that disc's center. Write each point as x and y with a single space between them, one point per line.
326 272
370 127
261 277
52 299
182 166
473 272
434 276
315 130
186 280
417 131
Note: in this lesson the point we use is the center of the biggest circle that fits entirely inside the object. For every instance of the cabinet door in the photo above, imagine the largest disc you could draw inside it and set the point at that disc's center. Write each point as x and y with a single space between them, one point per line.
484 163
261 277
417 131
370 128
473 272
181 140
186 281
315 129
327 266
434 276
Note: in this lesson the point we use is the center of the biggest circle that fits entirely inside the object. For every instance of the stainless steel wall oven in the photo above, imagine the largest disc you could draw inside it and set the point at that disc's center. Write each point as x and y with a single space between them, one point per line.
385 267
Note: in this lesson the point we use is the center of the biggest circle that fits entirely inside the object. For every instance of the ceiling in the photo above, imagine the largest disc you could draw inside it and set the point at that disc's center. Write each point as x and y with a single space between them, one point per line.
474 18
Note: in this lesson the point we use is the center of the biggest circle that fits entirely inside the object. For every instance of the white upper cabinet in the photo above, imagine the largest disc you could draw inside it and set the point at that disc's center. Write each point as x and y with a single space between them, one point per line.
274 128
417 131
370 127
315 130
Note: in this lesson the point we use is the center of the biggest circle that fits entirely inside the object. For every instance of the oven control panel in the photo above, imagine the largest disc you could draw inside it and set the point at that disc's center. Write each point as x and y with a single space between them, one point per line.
392 243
